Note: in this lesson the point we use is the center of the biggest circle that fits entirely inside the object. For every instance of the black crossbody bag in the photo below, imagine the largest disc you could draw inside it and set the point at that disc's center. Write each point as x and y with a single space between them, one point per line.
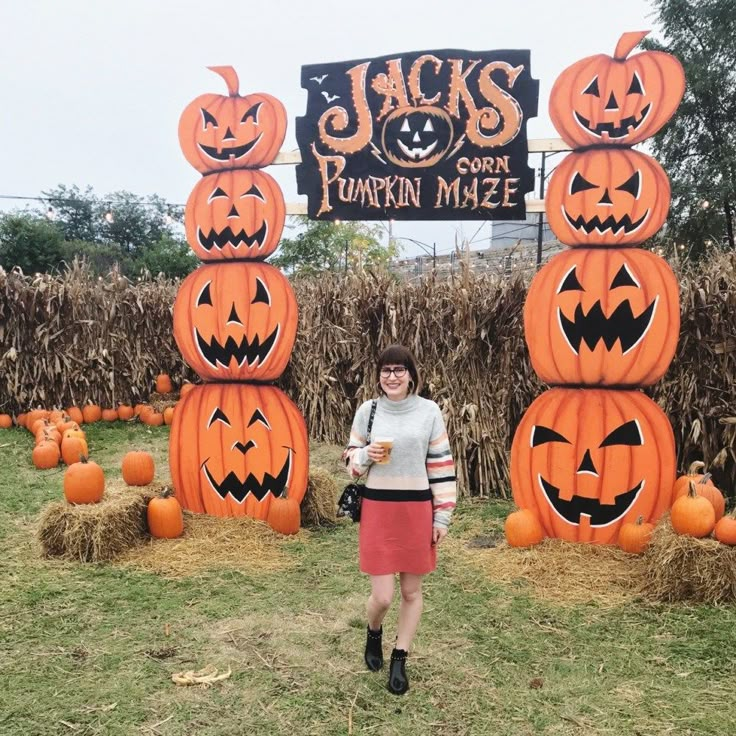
350 499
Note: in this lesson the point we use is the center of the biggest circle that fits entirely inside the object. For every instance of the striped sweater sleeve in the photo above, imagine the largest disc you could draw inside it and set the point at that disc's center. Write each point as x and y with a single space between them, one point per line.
355 455
441 473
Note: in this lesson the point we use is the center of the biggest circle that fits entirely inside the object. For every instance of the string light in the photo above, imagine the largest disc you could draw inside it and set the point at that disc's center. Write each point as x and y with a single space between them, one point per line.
51 213
109 216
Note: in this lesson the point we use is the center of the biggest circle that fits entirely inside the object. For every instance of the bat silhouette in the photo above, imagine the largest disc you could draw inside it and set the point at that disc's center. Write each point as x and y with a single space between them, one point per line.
319 80
330 98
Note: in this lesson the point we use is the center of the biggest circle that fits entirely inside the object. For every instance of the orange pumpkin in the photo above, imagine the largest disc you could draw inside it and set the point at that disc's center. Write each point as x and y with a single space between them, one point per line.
682 484
152 418
109 415
165 518
522 529
705 488
584 460
168 415
138 468
92 413
185 389
725 530
693 515
6 421
284 516
163 384
46 455
218 132
125 412
614 197
233 448
75 414
236 321
21 419
619 100
84 482
602 317
235 214
634 536
73 449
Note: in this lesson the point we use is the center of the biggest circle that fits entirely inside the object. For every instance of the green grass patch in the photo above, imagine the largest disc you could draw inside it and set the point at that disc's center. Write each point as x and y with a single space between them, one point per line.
90 649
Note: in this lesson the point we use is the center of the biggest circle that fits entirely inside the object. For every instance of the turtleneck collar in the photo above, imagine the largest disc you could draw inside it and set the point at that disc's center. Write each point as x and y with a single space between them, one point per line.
398 407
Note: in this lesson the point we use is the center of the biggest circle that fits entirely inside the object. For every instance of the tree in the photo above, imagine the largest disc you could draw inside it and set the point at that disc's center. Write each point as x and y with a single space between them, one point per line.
698 146
169 256
30 242
330 246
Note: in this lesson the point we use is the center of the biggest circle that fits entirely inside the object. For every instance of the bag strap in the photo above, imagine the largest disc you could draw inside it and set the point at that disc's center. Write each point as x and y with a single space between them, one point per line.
374 404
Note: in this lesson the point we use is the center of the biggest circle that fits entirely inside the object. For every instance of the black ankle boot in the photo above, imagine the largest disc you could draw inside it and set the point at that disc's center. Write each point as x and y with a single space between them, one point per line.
398 682
374 649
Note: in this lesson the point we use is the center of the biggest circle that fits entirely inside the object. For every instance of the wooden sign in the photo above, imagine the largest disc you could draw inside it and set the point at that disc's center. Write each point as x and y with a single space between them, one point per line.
430 135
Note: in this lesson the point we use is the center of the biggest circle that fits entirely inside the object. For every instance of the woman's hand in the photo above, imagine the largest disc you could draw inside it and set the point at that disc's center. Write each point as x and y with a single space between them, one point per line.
375 452
438 534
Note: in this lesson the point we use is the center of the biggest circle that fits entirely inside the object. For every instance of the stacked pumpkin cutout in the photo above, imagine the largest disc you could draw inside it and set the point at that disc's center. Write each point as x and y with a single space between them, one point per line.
601 320
238 444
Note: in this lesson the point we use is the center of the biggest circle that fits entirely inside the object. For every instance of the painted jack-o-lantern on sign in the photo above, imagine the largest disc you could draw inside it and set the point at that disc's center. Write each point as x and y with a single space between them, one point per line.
603 317
433 135
236 447
616 101
587 460
219 132
236 321
607 197
236 214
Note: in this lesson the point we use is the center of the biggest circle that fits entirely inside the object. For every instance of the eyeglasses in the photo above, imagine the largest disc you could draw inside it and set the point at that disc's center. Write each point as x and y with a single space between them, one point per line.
398 372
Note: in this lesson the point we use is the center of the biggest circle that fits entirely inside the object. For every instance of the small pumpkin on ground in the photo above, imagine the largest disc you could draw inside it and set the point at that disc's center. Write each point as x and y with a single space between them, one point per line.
164 514
125 412
725 529
109 415
73 449
634 536
163 384
522 529
138 468
284 516
92 413
168 414
6 421
84 482
46 455
693 515
152 418
75 414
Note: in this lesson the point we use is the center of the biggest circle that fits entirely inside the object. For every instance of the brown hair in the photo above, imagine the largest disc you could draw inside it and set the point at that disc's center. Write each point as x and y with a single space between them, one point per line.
399 355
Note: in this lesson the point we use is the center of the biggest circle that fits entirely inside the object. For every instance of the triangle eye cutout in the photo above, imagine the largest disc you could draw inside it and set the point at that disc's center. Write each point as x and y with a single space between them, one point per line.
570 282
541 435
405 127
254 191
252 114
626 434
580 184
592 88
632 185
218 415
262 294
204 296
217 193
624 278
208 119
428 127
258 417
636 87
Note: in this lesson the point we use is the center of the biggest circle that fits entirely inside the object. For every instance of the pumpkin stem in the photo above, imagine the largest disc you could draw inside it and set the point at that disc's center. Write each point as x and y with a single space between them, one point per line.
640 520
692 492
166 491
705 478
230 76
695 466
626 44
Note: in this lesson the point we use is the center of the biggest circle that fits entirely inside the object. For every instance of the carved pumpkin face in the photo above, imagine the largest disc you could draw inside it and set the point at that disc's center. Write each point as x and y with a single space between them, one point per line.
602 317
587 460
607 197
236 321
617 101
235 447
218 132
416 136
235 214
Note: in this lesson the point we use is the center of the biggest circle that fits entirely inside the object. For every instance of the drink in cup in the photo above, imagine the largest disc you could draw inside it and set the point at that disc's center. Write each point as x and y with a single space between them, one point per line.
387 443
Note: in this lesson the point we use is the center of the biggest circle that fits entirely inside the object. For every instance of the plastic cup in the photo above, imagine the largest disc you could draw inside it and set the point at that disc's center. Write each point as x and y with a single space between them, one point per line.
387 443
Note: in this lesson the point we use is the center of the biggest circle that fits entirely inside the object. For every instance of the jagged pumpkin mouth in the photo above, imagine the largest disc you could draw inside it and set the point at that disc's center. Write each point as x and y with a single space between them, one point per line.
238 489
221 238
610 130
600 514
246 351
610 223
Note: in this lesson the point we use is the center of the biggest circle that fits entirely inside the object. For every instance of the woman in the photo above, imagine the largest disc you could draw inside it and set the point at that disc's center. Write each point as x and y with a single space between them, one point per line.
407 502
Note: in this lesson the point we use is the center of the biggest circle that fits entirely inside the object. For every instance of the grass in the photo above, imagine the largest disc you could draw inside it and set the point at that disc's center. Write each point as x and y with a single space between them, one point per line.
90 649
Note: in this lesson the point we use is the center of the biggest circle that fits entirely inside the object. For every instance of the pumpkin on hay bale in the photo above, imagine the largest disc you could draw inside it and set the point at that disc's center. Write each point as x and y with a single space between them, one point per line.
96 532
319 505
685 568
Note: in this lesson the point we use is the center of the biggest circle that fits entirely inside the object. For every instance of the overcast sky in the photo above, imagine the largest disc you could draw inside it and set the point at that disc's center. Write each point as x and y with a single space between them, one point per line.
92 90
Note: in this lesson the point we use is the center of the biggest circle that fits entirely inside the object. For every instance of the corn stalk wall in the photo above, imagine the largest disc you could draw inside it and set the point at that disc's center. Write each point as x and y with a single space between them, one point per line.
72 339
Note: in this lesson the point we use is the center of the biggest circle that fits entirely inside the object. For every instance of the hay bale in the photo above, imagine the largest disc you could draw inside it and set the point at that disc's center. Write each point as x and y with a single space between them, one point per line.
96 532
680 568
162 401
319 505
